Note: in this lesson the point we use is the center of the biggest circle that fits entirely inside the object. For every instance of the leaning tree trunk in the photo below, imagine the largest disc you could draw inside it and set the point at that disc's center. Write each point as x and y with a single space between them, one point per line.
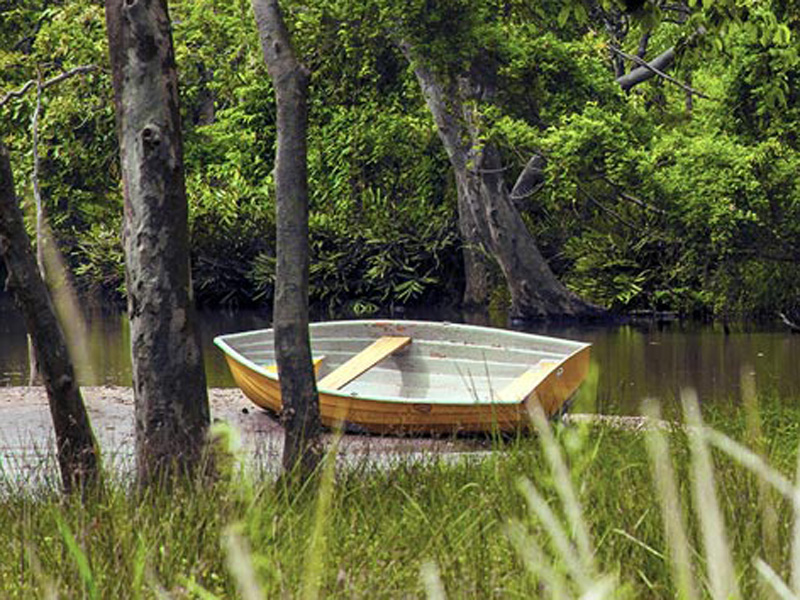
172 413
300 415
485 208
475 257
77 451
474 251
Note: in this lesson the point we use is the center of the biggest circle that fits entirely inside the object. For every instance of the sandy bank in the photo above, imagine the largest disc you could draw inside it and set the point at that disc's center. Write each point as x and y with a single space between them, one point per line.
26 436
27 443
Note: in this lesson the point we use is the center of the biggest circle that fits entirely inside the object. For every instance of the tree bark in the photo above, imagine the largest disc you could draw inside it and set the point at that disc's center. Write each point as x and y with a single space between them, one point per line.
172 413
477 271
302 441
77 451
484 203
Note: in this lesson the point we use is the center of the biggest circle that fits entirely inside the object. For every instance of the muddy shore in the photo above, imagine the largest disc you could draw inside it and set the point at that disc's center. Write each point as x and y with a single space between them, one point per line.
27 443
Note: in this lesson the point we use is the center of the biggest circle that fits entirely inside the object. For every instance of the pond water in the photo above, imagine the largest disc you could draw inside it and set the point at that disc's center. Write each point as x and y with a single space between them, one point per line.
634 361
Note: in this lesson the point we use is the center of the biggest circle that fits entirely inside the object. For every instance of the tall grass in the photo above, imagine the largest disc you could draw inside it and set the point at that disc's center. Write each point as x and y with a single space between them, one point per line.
573 512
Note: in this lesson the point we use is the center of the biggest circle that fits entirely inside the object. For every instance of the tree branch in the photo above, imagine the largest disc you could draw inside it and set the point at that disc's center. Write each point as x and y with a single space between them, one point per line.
46 84
648 70
605 209
644 41
639 75
641 203
632 199
795 328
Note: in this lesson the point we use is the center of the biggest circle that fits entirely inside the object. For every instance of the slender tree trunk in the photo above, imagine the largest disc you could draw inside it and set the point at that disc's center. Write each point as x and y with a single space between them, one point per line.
689 98
485 205
302 426
78 455
169 384
205 112
37 198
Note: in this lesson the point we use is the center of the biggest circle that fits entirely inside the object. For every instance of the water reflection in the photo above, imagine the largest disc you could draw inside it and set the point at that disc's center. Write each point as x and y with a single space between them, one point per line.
639 361
633 361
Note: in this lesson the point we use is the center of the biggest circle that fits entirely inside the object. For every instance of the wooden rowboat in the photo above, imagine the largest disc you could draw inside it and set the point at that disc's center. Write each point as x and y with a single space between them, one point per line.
418 377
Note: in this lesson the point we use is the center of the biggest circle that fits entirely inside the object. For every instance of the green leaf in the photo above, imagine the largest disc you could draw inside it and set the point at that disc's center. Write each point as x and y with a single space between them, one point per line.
564 13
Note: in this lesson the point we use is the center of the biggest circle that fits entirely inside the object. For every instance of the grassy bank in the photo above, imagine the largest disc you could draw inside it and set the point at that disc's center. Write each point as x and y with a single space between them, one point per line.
502 525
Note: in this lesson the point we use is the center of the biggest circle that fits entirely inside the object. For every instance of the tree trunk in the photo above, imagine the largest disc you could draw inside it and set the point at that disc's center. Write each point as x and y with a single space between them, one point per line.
172 413
484 203
476 264
37 198
301 419
77 452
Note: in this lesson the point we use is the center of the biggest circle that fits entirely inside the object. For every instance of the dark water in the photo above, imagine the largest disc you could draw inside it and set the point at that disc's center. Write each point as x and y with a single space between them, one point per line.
633 361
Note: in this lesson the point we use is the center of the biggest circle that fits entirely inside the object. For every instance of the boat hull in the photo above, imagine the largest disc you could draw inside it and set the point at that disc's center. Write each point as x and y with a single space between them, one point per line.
386 414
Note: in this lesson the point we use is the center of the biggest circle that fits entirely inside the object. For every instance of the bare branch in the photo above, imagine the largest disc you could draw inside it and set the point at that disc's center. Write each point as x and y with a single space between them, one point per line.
50 82
789 323
632 199
630 80
641 203
19 93
605 209
641 51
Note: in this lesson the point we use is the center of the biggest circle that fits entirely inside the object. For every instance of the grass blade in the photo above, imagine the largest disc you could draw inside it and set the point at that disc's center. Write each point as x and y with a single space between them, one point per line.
667 492
715 541
775 583
751 461
539 506
315 561
536 562
78 555
432 581
566 492
795 566
755 439
601 589
240 564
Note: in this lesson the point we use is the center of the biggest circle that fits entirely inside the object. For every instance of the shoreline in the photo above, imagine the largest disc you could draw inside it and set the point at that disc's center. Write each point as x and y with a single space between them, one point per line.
26 432
27 441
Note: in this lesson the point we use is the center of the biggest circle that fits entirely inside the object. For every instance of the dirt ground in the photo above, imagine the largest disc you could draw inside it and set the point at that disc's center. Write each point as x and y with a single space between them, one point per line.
27 442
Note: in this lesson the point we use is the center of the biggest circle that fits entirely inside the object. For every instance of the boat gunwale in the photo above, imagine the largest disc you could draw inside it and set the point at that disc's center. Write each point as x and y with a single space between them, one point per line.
221 342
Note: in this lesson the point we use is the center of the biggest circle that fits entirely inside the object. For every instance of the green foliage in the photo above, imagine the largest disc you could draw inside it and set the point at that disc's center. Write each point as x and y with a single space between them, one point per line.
646 203
77 143
762 91
545 77
98 254
737 215
373 268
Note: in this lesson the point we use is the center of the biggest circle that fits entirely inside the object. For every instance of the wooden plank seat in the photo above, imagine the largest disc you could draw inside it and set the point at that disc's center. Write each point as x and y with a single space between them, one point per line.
363 361
524 385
